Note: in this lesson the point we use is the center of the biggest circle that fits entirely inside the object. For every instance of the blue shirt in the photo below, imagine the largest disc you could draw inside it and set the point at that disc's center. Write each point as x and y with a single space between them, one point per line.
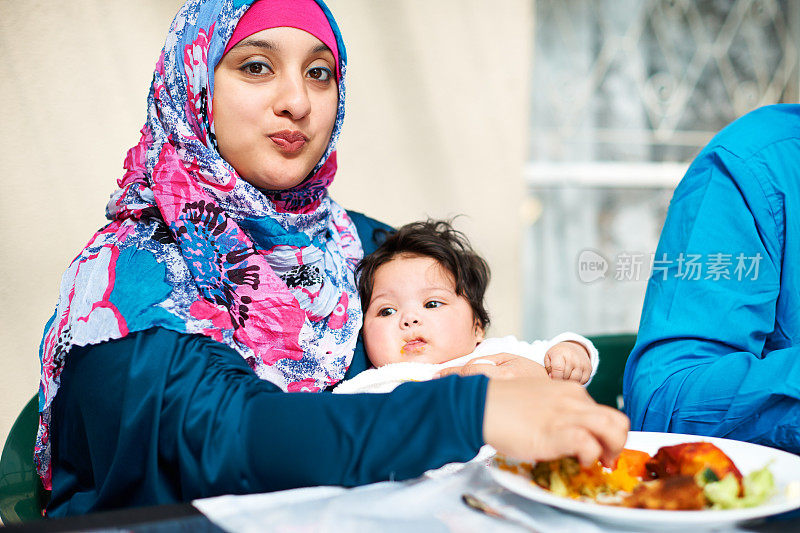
718 349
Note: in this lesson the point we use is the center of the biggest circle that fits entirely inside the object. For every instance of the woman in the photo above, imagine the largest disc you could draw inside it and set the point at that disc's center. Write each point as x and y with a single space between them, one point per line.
224 284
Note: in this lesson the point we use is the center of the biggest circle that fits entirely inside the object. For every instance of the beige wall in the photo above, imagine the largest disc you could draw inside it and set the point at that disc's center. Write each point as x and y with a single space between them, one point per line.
436 122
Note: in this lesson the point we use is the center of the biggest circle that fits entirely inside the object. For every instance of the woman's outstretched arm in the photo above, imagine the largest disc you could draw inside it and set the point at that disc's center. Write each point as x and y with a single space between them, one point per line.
160 417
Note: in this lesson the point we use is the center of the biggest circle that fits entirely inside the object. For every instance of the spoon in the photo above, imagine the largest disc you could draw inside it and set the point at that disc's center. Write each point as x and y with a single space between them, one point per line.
476 503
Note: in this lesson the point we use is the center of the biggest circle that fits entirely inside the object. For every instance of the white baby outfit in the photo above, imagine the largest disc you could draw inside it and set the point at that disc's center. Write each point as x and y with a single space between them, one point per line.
386 378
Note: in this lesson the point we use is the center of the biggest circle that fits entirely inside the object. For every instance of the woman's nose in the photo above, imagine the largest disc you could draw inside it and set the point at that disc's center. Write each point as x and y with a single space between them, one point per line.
292 98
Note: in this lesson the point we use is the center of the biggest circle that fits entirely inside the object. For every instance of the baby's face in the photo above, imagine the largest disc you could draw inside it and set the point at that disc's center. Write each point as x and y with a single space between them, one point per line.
415 314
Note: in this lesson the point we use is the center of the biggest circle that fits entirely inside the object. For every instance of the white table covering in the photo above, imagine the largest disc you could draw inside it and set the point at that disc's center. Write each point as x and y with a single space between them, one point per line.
420 505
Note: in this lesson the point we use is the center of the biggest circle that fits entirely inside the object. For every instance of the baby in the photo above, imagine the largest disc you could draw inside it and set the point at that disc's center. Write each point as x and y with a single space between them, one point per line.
422 295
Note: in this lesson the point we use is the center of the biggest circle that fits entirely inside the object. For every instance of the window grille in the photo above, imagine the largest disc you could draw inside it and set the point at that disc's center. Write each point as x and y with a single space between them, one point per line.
624 94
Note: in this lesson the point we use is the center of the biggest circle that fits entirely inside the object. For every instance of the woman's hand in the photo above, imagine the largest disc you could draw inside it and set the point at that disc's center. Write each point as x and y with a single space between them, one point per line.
501 365
540 420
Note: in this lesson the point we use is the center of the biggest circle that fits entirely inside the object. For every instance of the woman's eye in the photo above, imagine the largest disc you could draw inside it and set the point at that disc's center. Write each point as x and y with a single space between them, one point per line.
386 311
433 304
257 68
320 74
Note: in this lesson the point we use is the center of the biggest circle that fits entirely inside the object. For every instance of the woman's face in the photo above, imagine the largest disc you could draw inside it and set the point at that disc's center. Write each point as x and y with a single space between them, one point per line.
275 103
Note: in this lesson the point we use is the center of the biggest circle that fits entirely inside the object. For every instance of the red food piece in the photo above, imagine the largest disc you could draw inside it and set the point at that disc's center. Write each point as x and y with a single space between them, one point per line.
690 458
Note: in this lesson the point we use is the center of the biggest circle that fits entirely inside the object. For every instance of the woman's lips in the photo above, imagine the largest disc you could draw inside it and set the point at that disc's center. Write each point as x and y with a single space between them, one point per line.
288 141
414 346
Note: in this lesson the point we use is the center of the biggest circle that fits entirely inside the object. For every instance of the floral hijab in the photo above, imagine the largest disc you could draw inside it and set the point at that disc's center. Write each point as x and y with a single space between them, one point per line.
194 248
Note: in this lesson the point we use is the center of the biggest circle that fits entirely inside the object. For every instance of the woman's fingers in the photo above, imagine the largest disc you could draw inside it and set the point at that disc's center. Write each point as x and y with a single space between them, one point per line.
483 361
496 359
614 440
535 420
589 446
609 427
584 446
470 369
501 365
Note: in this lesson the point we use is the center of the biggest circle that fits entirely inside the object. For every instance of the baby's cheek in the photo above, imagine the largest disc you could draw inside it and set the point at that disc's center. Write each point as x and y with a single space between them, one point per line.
378 352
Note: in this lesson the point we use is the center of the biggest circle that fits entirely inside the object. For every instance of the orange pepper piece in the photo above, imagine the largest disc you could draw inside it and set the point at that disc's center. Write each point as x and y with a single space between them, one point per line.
633 462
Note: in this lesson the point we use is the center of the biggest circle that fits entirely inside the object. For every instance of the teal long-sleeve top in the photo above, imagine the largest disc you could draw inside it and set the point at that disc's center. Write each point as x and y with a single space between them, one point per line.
718 349
163 417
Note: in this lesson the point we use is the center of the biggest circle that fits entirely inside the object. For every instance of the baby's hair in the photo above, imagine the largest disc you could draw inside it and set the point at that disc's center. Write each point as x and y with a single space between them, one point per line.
438 240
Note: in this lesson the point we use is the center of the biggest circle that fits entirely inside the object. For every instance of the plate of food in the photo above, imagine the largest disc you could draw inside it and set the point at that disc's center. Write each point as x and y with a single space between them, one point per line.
665 480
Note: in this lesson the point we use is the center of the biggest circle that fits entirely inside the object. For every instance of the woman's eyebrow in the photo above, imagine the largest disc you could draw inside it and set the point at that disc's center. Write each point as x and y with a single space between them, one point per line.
267 45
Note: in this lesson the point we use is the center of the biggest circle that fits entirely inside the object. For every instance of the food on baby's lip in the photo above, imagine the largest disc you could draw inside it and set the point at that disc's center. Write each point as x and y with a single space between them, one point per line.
689 476
414 346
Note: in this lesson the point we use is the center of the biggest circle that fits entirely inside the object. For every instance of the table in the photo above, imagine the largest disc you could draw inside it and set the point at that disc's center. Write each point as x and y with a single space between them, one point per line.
421 505
161 519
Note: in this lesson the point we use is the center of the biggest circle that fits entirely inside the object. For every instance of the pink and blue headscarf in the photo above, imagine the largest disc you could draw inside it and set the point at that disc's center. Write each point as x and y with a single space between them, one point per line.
194 248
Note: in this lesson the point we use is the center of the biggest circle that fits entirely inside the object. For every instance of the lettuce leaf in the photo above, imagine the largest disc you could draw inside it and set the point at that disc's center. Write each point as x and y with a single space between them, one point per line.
759 485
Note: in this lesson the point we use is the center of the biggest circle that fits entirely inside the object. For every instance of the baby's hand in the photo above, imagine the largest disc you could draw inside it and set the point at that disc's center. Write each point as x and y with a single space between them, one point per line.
568 361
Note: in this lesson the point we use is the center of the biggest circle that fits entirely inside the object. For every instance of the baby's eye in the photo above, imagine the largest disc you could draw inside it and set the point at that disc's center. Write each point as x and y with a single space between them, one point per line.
257 68
386 311
320 74
433 304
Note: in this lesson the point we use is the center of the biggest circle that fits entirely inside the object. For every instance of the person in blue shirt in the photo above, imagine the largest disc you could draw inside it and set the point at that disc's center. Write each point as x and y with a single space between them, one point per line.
197 335
718 348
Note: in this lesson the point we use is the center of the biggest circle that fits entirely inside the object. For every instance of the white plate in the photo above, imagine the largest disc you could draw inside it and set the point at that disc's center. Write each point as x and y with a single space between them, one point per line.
785 467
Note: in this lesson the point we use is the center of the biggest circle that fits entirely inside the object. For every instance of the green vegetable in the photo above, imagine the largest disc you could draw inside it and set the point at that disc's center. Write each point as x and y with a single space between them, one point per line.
758 487
706 476
724 494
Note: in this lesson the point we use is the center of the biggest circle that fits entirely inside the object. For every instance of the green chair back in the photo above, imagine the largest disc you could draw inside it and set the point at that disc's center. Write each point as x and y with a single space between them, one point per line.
606 386
22 496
